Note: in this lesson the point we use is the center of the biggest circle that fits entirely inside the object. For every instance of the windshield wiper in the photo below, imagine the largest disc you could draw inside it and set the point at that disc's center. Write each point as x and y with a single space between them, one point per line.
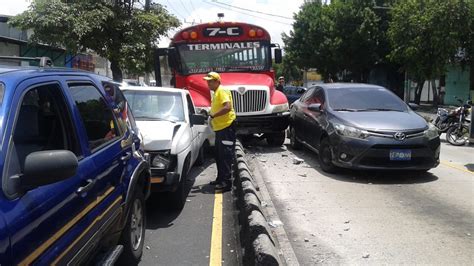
154 118
347 110
381 109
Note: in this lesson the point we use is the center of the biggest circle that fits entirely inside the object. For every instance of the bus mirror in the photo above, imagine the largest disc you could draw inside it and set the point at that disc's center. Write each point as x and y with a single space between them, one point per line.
172 58
278 56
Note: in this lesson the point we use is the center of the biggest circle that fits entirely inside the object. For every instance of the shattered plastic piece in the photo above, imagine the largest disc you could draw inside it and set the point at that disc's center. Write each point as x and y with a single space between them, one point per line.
264 204
147 247
468 234
263 160
284 155
188 200
366 256
303 175
231 251
297 160
306 240
347 229
348 221
275 223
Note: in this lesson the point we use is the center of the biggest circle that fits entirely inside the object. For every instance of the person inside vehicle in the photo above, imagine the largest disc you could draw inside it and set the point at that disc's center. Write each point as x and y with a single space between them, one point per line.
281 83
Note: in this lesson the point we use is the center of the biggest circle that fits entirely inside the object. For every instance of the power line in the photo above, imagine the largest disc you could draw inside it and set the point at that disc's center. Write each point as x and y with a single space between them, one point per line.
214 4
187 11
254 11
175 10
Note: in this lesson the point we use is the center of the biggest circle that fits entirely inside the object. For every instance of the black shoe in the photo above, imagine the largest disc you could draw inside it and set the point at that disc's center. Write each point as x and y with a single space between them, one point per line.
213 183
223 186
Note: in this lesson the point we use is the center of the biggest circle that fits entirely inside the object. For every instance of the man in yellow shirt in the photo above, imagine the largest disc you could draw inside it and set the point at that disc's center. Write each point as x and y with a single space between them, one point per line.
223 117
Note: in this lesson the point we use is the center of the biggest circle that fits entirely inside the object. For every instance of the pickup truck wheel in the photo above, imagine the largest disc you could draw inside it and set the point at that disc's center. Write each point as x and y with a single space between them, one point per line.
202 155
276 139
178 197
133 235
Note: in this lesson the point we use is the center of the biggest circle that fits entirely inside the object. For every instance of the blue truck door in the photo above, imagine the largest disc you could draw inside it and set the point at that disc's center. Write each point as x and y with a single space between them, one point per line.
48 221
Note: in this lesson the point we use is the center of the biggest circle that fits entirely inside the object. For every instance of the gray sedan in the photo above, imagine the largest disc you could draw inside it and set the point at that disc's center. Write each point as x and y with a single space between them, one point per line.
362 126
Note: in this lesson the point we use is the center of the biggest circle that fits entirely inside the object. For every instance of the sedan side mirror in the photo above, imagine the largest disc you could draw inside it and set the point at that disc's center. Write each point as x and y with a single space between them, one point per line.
315 107
197 120
47 167
413 106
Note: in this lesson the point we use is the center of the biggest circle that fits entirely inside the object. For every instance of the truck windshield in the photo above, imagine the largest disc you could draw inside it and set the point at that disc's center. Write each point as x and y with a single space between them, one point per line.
155 105
224 57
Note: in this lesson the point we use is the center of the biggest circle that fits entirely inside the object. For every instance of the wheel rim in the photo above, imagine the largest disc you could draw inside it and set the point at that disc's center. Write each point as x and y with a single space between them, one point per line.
326 156
136 224
457 136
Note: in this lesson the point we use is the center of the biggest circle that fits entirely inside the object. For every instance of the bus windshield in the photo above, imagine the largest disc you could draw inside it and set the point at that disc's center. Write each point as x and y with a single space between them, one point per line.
224 57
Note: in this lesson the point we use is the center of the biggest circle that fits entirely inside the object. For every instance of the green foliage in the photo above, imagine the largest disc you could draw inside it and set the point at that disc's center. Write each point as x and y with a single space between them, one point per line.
345 35
120 31
427 34
288 69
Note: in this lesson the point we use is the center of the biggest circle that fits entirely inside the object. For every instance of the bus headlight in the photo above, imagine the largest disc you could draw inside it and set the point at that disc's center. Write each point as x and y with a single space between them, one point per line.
279 108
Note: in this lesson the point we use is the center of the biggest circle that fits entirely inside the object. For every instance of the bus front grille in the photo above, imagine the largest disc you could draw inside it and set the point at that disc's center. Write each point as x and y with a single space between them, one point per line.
249 101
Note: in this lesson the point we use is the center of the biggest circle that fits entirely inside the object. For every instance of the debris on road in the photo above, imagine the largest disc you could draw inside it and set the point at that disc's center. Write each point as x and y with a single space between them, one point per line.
306 240
297 160
347 229
263 160
303 175
348 221
366 256
275 223
147 247
284 155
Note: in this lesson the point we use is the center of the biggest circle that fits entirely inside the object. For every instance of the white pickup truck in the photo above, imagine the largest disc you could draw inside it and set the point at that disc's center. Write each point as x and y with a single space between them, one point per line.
174 136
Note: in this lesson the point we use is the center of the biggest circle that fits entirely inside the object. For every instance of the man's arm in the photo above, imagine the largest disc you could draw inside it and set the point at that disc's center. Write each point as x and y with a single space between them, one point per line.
225 109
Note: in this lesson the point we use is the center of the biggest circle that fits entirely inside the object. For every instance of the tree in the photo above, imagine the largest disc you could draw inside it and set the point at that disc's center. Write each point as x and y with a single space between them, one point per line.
288 69
343 36
123 31
426 35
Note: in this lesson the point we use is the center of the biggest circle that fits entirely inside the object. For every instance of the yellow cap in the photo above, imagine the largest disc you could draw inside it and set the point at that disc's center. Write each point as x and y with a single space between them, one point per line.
212 76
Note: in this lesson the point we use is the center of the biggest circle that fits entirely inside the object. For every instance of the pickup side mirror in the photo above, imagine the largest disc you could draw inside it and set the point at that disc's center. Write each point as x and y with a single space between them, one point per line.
47 167
413 106
197 120
315 107
278 56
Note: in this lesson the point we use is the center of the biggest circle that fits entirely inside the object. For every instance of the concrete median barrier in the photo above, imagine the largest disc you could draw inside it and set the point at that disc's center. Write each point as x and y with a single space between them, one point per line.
259 245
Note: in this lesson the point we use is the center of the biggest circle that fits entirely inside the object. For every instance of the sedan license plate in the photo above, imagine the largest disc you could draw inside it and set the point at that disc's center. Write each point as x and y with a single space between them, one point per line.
400 155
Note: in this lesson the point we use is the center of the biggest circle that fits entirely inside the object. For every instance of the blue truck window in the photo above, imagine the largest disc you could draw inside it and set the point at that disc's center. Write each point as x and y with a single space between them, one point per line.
97 117
42 123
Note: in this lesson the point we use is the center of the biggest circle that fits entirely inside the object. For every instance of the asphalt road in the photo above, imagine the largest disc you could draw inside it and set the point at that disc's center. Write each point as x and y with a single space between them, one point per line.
372 218
188 237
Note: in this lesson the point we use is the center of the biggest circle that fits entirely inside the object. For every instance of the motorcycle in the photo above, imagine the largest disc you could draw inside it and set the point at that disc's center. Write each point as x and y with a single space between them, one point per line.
458 133
446 118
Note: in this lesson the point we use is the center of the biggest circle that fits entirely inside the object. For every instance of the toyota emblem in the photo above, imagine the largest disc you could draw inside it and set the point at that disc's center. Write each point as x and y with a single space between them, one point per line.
399 136
241 90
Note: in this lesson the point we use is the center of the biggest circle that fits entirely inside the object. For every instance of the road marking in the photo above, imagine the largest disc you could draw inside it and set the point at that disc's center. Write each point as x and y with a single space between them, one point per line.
457 167
216 237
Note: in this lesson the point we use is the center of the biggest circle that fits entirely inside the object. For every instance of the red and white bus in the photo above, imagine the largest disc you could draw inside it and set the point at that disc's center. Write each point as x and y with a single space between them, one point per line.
242 54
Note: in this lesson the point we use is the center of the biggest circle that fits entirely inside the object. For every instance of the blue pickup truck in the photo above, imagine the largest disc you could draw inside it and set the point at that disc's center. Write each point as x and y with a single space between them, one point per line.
74 176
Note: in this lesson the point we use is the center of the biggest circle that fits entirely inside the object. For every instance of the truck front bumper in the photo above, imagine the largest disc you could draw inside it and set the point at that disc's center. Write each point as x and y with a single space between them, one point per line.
258 124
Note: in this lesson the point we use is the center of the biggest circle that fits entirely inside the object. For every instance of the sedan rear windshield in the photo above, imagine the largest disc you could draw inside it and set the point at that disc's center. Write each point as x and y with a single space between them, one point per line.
155 105
364 99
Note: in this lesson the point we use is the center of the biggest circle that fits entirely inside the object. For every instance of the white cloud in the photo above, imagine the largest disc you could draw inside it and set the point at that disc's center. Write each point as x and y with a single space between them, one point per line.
13 7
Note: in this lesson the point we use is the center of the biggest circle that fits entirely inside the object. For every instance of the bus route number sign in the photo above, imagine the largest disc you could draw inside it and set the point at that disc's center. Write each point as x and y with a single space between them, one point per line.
223 31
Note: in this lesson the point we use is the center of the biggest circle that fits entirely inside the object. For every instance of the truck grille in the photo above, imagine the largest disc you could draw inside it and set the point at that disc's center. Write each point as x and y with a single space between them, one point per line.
250 101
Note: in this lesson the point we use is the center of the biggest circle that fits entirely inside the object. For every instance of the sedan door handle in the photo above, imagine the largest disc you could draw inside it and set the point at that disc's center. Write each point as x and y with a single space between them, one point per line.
90 184
126 156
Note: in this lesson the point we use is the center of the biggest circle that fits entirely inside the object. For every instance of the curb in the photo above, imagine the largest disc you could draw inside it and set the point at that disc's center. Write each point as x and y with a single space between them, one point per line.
259 245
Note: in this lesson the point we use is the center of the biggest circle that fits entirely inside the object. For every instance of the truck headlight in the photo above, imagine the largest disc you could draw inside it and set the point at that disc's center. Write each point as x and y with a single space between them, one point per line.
350 132
160 161
279 108
432 131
